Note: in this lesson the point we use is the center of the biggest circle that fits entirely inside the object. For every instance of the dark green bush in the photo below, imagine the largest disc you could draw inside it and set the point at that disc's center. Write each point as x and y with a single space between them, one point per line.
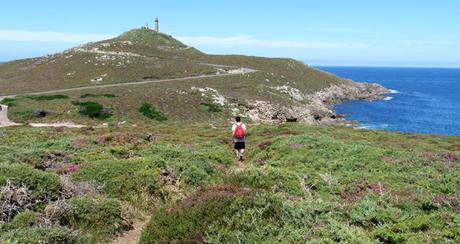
151 112
23 220
94 110
8 102
47 97
97 95
211 107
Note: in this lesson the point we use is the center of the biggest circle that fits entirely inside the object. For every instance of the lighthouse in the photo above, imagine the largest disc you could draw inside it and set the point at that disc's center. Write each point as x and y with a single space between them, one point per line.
157 25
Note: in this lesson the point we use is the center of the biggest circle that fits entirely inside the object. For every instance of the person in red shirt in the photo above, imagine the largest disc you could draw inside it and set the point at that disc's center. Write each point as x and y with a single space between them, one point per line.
239 137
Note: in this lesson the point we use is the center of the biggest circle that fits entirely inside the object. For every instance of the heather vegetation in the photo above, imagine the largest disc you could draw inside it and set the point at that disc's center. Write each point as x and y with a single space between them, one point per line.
299 183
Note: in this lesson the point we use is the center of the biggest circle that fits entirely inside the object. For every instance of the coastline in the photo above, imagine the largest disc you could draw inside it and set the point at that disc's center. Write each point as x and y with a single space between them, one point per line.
318 107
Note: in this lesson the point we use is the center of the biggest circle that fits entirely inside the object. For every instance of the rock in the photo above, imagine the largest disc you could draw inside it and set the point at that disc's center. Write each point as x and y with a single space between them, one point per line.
97 80
151 137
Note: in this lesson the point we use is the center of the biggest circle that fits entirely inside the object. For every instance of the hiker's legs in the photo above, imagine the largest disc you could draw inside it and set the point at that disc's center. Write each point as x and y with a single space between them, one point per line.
237 153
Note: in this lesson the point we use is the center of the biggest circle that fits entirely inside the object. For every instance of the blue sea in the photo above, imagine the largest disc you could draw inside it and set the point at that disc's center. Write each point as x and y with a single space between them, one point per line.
423 100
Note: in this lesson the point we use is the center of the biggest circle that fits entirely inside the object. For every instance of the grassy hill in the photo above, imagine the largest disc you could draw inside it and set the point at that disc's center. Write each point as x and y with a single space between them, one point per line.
136 55
300 184
143 55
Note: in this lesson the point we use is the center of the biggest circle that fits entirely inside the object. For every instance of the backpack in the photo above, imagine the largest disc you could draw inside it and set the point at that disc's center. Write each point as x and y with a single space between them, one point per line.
239 131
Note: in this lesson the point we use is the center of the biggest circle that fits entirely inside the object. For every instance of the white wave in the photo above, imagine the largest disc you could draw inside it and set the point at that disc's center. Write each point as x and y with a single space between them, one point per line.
388 98
394 91
372 126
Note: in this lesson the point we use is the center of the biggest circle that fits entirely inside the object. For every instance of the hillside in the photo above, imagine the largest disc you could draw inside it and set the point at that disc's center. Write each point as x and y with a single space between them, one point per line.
210 88
299 184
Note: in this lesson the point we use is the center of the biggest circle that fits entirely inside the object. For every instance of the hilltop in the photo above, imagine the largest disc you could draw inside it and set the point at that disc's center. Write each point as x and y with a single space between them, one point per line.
142 67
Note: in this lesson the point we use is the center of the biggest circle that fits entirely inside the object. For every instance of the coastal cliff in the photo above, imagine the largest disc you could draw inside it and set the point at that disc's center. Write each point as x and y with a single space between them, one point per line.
318 106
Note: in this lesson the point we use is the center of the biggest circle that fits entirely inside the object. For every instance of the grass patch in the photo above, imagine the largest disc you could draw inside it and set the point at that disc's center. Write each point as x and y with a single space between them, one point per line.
90 95
151 112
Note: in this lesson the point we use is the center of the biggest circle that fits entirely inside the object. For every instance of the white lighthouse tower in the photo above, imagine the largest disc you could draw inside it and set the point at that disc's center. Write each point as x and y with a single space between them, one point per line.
157 25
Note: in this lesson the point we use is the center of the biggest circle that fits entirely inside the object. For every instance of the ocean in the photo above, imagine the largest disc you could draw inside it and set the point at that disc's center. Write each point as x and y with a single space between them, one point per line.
423 100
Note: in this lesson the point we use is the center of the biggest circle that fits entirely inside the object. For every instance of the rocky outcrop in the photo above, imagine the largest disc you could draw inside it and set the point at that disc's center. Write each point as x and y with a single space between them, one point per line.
318 106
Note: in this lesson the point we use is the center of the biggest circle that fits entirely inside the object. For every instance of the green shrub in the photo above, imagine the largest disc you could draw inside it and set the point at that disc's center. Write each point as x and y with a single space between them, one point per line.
186 223
127 180
47 97
10 102
23 220
211 107
41 185
94 110
268 178
386 235
98 216
42 235
97 95
151 112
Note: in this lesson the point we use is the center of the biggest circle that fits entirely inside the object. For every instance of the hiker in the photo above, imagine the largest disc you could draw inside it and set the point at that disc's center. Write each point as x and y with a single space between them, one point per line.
239 137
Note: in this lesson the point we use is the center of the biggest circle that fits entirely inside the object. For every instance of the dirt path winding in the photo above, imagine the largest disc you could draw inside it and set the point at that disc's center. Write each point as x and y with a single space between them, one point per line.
133 236
4 121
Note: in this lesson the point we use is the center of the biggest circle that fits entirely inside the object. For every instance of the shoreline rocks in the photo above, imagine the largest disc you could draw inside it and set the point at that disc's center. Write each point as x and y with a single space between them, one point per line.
318 107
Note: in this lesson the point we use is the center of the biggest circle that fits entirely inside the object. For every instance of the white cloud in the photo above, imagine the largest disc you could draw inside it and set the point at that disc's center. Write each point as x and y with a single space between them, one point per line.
49 36
244 40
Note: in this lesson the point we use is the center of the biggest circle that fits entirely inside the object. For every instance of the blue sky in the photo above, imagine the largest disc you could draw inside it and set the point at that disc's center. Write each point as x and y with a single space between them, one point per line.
329 32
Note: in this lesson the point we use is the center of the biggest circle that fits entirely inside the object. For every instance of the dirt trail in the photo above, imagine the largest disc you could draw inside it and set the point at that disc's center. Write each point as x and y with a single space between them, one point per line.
241 166
133 236
240 71
4 121
56 125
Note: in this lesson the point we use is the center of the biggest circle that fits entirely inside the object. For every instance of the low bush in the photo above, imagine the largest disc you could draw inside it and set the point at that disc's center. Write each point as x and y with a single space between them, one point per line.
51 234
23 220
41 186
211 107
10 102
47 97
151 112
188 222
94 110
99 216
137 181
87 95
